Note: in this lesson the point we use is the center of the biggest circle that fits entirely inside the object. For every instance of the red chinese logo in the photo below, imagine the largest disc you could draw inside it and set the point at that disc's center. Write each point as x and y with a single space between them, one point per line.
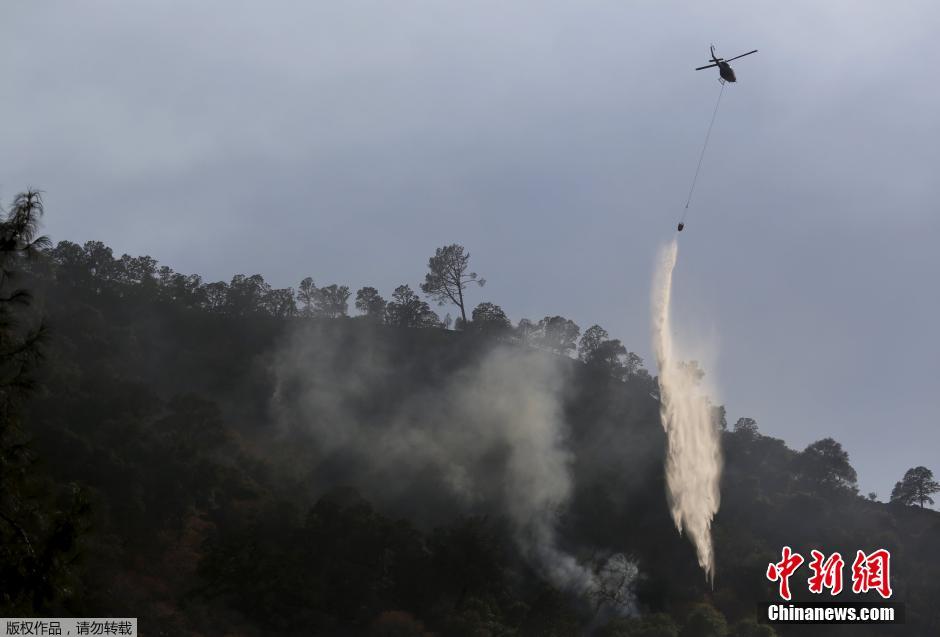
782 570
826 574
872 571
869 572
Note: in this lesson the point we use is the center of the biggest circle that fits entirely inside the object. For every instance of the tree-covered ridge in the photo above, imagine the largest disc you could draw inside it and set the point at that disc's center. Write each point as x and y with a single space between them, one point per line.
144 466
251 295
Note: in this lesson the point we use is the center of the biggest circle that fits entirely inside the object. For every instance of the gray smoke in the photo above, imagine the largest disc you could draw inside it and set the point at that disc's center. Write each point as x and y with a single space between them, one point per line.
489 435
693 457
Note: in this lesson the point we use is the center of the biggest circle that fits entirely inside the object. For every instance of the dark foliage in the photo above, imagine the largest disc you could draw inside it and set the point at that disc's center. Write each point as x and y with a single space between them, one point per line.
143 476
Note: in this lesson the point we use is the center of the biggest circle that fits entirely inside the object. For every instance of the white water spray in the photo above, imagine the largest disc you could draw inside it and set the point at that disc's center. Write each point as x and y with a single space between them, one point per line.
693 456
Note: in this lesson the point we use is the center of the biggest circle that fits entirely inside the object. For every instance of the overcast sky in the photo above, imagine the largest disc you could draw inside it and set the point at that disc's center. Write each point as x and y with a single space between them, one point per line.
346 140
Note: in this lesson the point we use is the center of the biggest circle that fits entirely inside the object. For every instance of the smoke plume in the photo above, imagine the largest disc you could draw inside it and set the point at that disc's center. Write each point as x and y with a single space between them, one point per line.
485 436
693 456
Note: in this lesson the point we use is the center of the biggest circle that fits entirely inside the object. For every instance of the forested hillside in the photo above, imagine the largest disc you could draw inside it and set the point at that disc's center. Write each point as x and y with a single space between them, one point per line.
235 459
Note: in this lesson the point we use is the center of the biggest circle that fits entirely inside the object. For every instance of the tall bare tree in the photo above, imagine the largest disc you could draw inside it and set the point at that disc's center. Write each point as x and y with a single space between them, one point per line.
448 276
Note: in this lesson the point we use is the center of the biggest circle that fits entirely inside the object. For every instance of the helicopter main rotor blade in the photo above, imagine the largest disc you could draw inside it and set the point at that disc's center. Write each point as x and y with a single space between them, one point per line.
742 55
705 67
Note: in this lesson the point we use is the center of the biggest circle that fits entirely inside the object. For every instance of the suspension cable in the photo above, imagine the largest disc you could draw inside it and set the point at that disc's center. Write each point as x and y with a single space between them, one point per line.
702 155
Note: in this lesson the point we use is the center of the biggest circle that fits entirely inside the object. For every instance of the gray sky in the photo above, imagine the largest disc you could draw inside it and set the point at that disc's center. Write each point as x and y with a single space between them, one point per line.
346 140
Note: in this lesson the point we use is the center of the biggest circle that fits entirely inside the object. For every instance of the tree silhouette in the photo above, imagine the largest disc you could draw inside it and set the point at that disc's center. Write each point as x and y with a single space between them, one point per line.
490 319
827 464
307 295
558 334
916 486
280 303
370 303
246 295
36 532
590 342
216 296
406 309
448 277
20 244
608 355
746 427
526 331
332 301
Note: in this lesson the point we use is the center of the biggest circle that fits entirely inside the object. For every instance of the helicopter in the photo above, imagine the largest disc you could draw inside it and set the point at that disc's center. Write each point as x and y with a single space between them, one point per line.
724 69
